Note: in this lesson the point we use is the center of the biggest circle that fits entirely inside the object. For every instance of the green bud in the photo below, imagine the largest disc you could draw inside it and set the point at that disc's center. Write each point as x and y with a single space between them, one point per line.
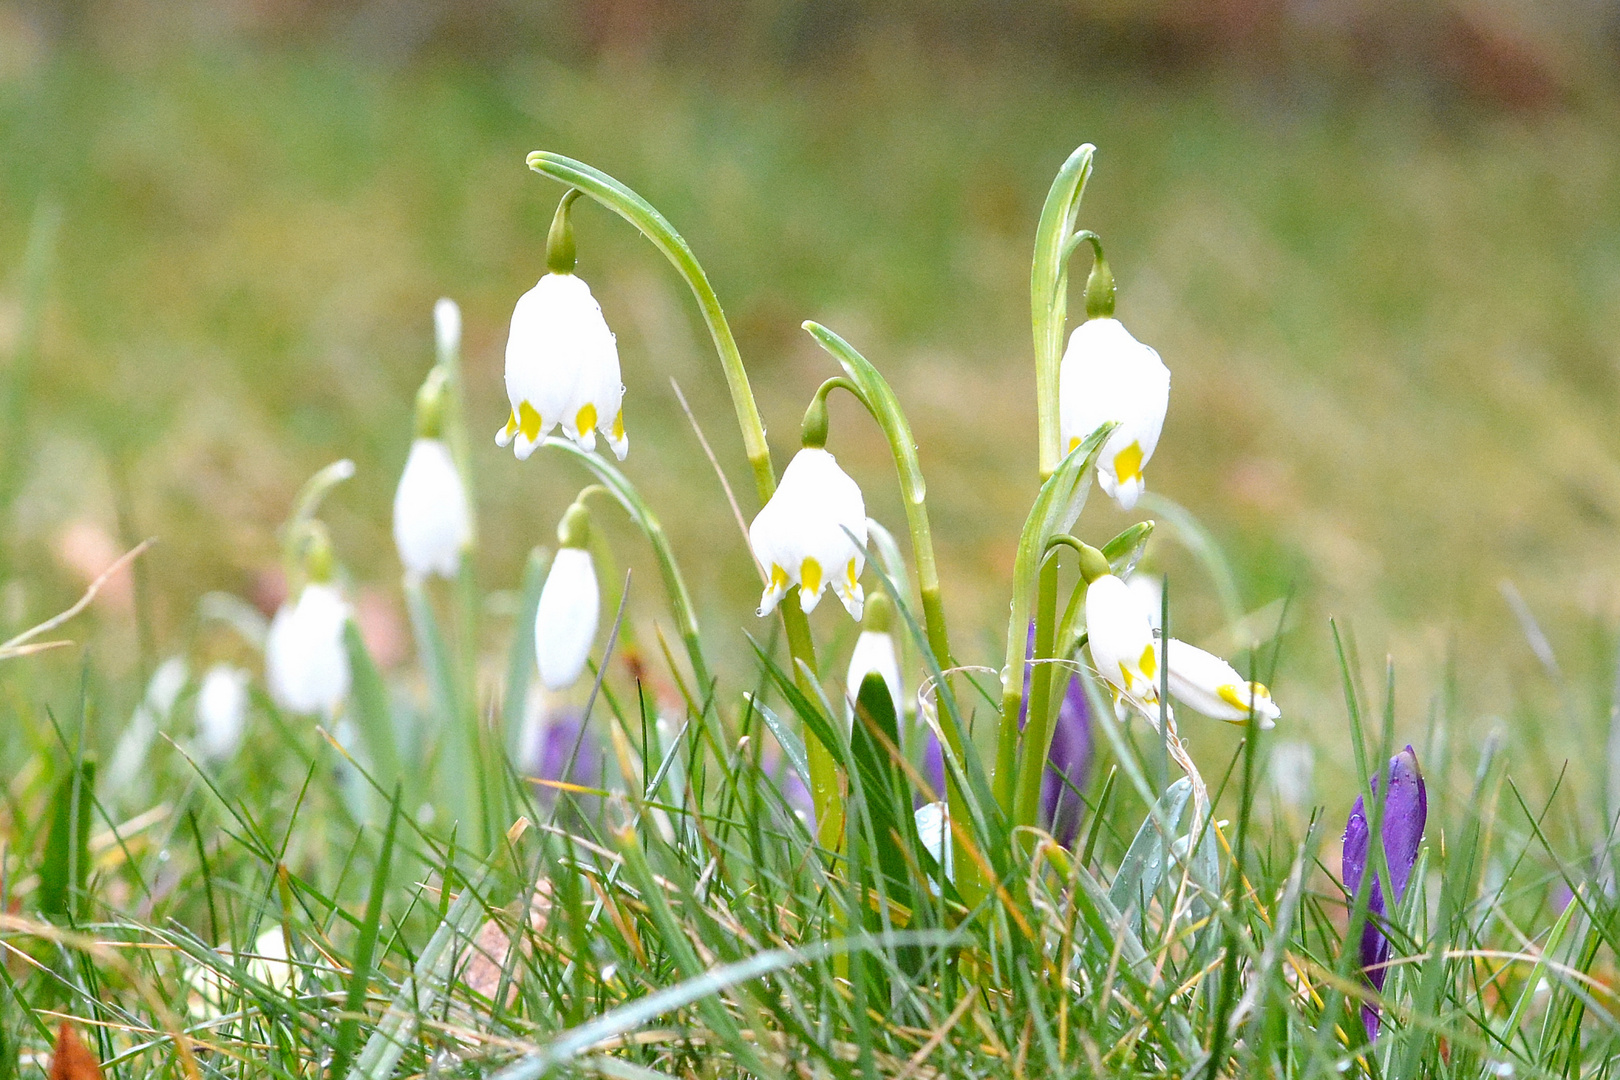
431 402
319 561
879 615
560 255
813 431
574 531
1093 564
1100 288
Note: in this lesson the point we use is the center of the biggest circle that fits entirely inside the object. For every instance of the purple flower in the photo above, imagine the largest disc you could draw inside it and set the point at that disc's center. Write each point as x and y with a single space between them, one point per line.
1406 810
552 757
933 769
1067 765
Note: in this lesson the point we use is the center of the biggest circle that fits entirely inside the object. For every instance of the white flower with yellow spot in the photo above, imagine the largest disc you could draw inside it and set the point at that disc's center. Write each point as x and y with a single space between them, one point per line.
1107 377
562 370
1122 645
1209 685
802 536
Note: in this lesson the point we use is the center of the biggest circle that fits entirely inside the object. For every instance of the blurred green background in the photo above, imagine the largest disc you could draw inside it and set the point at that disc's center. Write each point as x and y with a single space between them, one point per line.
1377 244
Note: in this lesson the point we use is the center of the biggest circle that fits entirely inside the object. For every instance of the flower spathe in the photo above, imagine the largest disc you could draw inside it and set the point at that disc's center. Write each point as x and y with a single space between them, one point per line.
565 621
1107 376
562 370
431 521
1406 812
305 662
1122 645
802 536
1209 685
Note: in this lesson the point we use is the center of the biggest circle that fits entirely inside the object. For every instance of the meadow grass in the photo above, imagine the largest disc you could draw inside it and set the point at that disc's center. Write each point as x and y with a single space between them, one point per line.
240 294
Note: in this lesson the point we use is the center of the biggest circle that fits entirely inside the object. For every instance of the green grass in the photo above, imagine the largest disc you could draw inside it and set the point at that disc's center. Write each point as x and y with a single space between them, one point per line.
1390 328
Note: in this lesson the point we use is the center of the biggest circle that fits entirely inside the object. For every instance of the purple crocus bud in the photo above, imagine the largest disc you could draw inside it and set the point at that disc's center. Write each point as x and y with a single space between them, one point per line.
552 756
1067 765
774 764
933 769
1406 810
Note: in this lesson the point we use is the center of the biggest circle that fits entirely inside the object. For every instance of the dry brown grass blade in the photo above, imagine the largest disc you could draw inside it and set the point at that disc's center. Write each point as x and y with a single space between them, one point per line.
18 646
72 1060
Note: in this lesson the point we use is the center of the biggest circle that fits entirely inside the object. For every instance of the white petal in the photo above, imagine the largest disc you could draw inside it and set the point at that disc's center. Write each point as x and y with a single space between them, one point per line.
222 703
306 664
1211 686
934 830
873 652
1107 376
565 623
431 522
1121 640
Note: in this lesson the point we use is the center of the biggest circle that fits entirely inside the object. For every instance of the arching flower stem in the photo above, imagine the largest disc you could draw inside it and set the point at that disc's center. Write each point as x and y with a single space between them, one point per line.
1048 295
640 213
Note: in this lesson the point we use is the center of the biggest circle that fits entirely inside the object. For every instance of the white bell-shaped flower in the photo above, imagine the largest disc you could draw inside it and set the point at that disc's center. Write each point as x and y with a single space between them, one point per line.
1209 685
802 535
305 662
431 522
1108 376
1122 645
570 606
222 703
562 369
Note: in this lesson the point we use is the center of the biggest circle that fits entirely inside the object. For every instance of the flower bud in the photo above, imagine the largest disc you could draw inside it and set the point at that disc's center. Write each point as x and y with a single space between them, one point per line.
874 652
570 606
222 703
305 661
802 536
432 524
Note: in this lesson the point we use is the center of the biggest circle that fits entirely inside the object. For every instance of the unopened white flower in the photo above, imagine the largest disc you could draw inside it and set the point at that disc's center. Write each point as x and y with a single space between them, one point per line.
562 369
1209 685
934 830
1122 645
305 661
874 652
431 522
1108 376
150 716
802 535
565 623
1149 590
222 703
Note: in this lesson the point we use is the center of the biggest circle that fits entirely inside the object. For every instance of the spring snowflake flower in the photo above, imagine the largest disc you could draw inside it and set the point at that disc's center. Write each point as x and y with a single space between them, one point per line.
562 369
305 661
1107 376
800 535
222 703
431 522
1209 685
570 606
1122 644
934 830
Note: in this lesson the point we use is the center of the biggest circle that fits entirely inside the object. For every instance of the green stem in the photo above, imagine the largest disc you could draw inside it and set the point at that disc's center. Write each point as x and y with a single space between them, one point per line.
1037 734
640 213
1048 296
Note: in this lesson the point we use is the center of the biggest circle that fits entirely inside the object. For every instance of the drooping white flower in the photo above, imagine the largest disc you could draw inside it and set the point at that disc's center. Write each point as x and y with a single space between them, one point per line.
800 535
562 369
1209 685
934 830
1108 376
565 622
1122 645
305 662
151 716
431 521
1149 590
222 703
